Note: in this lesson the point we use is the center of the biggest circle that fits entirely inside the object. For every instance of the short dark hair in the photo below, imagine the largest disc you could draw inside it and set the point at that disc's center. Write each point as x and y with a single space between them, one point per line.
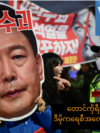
32 39
90 8
29 34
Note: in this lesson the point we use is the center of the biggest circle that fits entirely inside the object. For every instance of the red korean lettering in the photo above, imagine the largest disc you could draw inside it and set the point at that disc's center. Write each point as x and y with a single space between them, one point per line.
29 19
36 11
5 25
25 20
24 15
24 5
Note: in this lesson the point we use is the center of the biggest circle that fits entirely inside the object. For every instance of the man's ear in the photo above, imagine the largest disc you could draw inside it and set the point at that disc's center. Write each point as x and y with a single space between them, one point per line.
39 65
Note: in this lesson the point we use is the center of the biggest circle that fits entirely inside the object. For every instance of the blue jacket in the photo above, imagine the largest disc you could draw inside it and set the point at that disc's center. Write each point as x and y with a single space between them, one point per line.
36 123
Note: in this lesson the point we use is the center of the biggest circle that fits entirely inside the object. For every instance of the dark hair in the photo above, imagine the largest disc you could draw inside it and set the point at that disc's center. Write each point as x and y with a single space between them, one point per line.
28 33
50 90
32 39
90 8
52 58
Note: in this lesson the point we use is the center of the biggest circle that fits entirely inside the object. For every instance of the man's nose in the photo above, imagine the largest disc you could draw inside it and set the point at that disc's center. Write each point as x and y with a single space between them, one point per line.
87 36
7 72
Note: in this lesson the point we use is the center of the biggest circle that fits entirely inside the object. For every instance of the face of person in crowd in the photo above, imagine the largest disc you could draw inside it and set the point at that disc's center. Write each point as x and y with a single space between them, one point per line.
85 67
20 74
80 32
98 60
99 52
58 70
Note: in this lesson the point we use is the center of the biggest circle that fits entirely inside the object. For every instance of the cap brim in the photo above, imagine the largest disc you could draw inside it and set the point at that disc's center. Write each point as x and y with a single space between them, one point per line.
95 48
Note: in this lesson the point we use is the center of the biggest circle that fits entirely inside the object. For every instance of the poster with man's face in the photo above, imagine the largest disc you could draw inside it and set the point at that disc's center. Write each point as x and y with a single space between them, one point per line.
69 35
84 29
21 70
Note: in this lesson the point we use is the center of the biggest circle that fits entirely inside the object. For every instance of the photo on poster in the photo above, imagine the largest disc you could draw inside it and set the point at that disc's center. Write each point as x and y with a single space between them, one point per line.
21 66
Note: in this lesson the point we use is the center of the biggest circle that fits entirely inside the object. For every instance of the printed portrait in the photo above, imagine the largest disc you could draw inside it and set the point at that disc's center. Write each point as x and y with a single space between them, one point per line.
21 69
84 28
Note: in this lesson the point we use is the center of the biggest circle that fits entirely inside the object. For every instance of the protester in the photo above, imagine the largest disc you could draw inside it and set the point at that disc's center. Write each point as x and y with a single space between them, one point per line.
95 84
87 72
52 87
72 72
58 90
20 75
93 80
94 96
76 83
56 87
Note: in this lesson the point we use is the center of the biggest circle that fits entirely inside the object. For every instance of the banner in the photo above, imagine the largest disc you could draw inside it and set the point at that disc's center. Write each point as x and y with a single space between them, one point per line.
69 36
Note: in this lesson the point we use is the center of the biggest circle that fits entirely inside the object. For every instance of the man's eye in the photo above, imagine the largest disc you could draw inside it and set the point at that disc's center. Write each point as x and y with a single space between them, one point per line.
78 28
18 57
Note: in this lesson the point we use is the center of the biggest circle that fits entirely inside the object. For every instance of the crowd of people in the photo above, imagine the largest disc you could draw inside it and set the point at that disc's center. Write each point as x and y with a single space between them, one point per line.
59 88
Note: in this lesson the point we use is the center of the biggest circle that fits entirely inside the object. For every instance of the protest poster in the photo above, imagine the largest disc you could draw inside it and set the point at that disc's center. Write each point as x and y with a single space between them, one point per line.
21 66
69 36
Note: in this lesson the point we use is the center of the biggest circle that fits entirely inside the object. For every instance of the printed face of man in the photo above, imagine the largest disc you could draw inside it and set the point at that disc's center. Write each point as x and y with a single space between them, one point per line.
20 74
80 32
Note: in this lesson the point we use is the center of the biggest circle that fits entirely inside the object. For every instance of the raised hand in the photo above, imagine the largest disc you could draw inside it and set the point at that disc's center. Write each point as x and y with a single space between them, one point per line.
63 84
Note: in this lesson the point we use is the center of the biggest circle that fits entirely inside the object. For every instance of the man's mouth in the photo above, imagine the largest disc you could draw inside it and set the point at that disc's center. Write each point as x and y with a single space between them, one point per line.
13 93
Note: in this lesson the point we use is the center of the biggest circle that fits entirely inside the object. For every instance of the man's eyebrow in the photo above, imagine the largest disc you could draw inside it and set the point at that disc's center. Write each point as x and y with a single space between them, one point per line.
11 48
85 22
81 23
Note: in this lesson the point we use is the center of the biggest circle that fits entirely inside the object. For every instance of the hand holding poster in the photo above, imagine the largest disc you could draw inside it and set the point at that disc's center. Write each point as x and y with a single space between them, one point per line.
21 73
70 36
